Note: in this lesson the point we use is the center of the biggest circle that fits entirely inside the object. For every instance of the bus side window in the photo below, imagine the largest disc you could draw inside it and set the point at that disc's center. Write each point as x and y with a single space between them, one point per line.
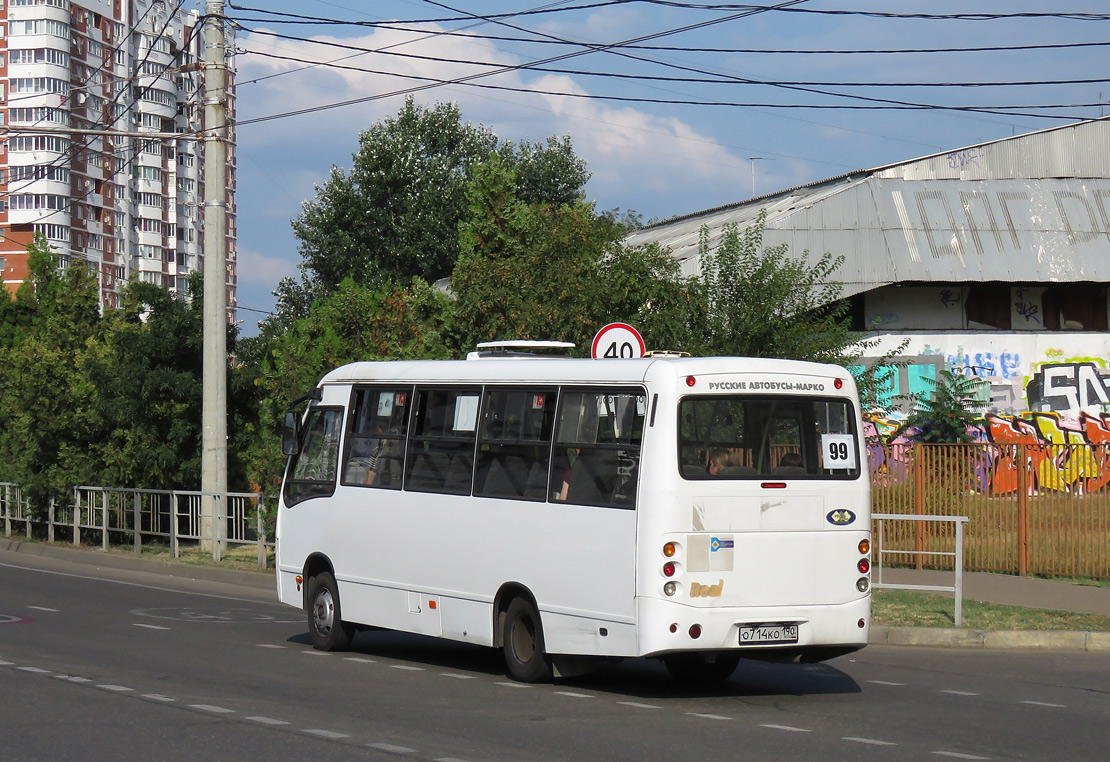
376 437
441 448
601 433
312 472
514 443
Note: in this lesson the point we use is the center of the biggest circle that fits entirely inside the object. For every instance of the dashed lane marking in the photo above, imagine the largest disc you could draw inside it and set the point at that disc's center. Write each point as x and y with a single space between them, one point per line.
330 734
358 659
212 709
572 694
959 693
267 720
508 684
116 688
73 678
406 667
638 705
36 670
885 682
708 716
270 645
789 728
958 755
150 626
158 697
457 676
43 608
392 748
871 741
1045 703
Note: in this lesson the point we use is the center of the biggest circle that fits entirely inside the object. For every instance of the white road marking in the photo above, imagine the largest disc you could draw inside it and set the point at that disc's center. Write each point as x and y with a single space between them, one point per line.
158 697
458 676
509 684
872 741
392 748
358 659
269 645
116 688
406 667
325 733
213 709
1045 703
884 682
959 693
638 705
708 716
6 663
957 755
268 720
791 728
73 678
572 694
150 626
43 608
36 670
314 652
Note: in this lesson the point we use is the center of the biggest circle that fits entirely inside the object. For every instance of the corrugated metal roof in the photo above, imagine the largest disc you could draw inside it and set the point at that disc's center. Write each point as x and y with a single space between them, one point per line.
1031 208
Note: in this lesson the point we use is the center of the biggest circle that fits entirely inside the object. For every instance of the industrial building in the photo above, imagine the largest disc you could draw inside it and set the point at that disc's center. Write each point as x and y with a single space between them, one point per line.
991 260
82 82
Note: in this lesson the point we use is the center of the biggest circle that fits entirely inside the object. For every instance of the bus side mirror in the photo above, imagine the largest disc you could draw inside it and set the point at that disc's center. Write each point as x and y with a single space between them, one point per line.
289 434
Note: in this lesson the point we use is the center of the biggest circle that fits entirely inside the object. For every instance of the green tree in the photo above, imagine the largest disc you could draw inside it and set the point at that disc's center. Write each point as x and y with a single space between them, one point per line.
45 400
761 302
394 215
944 414
353 323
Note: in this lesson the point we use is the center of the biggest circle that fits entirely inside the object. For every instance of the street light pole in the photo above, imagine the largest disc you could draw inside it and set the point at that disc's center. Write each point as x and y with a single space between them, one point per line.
213 474
753 160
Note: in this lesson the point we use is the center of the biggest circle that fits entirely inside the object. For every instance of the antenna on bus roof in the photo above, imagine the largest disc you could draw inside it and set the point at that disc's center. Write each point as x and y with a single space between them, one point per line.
519 348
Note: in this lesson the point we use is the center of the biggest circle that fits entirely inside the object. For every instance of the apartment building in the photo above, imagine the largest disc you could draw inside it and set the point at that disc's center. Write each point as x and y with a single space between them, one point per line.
81 83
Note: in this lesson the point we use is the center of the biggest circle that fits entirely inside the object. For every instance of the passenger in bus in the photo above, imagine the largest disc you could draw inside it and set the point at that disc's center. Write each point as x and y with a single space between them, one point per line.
719 460
790 463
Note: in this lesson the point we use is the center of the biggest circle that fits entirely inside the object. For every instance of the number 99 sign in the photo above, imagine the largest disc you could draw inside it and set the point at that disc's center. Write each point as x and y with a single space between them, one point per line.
617 341
839 451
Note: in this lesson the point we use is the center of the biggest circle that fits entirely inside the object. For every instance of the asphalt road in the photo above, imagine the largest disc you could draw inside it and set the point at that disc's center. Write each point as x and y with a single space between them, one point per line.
105 664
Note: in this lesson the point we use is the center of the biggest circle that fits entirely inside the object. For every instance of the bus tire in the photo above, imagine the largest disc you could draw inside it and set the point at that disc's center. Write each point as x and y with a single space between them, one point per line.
522 640
695 667
325 617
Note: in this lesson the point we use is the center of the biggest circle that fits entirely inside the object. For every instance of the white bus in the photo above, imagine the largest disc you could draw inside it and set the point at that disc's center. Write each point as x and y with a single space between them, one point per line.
693 509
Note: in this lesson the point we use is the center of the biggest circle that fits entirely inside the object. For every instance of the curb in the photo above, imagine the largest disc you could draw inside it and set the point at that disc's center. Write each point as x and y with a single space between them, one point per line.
947 637
263 580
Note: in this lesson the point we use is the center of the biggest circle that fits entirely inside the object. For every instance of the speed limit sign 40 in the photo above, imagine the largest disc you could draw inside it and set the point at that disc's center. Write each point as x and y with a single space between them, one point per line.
617 341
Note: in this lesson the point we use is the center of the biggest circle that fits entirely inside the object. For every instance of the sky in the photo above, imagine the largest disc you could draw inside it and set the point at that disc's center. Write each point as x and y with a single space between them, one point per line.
676 107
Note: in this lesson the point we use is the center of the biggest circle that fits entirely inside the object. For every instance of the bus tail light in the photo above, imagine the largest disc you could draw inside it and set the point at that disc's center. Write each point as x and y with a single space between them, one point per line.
690 380
670 588
838 383
864 566
695 631
862 584
668 569
669 550
864 547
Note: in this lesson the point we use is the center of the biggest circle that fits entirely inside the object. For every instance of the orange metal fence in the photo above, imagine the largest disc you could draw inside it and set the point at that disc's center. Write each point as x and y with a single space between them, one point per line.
1033 509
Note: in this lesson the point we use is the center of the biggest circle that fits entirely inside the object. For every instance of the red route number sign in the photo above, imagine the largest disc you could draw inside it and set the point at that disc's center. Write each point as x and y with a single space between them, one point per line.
617 341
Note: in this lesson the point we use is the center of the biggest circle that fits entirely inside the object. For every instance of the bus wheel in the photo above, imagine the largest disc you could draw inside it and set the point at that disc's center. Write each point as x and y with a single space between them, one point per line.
694 667
325 622
522 638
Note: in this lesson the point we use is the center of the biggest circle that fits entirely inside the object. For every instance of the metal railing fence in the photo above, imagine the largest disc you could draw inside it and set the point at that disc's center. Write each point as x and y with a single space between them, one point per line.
1034 508
938 548
126 516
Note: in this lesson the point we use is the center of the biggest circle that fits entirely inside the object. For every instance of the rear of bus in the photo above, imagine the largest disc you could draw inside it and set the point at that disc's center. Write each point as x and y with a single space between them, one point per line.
754 534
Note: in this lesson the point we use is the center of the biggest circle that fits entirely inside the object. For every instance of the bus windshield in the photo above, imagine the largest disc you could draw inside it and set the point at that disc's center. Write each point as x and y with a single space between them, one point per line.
753 437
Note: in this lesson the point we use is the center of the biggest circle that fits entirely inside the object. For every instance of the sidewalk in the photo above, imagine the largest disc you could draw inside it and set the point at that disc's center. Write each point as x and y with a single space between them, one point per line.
1010 590
993 588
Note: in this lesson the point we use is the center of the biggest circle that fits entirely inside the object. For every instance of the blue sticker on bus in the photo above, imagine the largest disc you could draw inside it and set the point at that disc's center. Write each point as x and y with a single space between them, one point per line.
720 543
841 517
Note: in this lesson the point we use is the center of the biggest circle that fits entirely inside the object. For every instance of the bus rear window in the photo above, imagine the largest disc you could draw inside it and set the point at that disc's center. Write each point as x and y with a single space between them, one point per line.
753 437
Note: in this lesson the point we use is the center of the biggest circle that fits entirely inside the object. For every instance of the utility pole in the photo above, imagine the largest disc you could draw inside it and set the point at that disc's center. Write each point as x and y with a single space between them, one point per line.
213 473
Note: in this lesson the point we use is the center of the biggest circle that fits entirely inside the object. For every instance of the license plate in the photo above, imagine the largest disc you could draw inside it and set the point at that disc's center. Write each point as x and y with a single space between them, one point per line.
768 633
